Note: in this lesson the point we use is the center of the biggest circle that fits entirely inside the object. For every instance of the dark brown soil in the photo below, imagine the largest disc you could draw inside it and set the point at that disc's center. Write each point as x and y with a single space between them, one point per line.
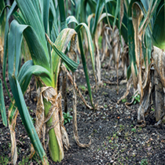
113 132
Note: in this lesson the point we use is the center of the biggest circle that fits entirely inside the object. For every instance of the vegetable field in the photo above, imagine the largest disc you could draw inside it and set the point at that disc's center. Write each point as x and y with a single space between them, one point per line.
82 82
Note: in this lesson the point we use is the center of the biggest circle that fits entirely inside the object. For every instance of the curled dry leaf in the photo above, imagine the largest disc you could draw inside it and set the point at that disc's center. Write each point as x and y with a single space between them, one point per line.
65 138
55 111
72 54
148 17
98 62
158 57
75 118
146 101
76 87
64 134
116 51
107 32
12 124
121 11
136 19
89 19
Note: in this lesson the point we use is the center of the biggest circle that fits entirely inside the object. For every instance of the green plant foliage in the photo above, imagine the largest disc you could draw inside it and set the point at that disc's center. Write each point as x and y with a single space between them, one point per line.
124 100
105 106
82 87
136 99
100 42
35 18
133 129
144 162
36 158
78 29
24 161
32 22
2 105
152 109
4 160
67 117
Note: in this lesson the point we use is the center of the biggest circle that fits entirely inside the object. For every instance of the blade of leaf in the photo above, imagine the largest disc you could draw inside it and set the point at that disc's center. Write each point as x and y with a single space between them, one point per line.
46 14
62 14
131 43
98 12
116 13
32 18
61 43
91 48
72 19
2 13
70 63
92 5
26 119
159 29
2 5
111 18
37 53
12 9
90 43
37 71
37 6
2 105
85 69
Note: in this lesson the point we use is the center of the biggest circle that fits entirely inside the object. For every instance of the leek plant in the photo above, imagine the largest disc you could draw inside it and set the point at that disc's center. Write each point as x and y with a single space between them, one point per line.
82 30
141 24
145 24
2 102
108 12
32 20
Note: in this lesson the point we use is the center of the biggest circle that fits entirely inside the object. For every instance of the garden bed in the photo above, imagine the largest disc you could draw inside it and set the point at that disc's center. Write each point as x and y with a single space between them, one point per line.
115 137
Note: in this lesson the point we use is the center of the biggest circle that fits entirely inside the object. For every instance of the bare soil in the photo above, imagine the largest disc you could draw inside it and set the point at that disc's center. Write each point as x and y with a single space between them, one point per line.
113 130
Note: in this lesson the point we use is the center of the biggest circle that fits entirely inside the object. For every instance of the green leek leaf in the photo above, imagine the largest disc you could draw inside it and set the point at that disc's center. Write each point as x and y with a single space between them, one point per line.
2 105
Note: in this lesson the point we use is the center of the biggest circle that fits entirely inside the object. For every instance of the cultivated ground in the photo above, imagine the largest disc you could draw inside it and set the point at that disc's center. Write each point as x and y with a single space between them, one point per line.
113 130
